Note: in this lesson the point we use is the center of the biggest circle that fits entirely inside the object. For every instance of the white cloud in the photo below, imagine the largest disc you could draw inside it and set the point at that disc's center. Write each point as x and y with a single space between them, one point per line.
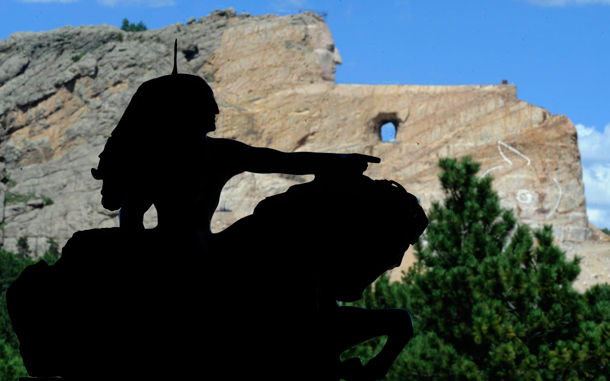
593 145
48 1
563 3
137 3
595 159
597 184
598 217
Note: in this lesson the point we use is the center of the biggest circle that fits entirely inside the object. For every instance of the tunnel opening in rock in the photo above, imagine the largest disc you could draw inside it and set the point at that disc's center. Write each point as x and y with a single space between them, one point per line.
385 125
388 132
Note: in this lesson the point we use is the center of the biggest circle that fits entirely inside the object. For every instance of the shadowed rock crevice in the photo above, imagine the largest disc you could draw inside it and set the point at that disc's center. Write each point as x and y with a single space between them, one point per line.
301 142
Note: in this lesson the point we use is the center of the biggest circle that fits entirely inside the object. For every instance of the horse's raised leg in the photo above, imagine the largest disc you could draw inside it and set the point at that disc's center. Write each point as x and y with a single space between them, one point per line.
355 325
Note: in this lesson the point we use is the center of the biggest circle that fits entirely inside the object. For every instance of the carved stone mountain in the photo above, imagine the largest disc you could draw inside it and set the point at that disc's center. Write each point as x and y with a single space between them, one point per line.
63 91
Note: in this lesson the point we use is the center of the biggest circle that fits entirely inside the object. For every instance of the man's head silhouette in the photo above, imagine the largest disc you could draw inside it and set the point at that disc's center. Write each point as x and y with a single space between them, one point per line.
162 131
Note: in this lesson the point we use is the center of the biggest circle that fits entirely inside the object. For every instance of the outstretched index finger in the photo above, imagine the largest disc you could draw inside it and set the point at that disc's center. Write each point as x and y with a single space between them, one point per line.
370 159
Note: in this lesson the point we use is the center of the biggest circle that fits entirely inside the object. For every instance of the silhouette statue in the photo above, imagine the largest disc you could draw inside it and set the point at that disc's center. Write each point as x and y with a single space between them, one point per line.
257 299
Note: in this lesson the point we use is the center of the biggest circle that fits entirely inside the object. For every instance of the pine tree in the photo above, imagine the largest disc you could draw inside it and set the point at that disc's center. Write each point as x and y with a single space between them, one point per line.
11 364
491 300
131 27
11 265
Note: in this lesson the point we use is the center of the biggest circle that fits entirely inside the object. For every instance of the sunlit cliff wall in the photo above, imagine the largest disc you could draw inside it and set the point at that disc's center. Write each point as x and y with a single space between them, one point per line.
63 91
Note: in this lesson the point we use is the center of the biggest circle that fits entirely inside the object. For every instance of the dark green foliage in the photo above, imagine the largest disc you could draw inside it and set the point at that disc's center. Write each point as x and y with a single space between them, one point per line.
23 248
77 57
131 27
606 231
16 198
140 27
11 364
11 265
491 300
119 37
52 254
10 182
12 198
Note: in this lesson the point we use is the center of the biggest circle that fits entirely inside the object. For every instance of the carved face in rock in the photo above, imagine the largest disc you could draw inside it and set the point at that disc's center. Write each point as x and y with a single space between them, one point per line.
327 54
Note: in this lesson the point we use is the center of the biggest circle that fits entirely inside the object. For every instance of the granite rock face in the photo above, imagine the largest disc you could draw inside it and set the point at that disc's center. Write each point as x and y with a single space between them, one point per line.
63 91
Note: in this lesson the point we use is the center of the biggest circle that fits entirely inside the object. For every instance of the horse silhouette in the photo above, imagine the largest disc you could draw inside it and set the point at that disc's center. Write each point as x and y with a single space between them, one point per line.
257 299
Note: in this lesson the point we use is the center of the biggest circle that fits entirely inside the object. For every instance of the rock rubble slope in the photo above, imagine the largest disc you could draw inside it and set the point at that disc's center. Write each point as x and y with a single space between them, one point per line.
63 91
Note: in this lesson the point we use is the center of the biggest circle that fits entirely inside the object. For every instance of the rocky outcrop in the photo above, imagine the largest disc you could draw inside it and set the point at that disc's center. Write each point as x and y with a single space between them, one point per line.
62 92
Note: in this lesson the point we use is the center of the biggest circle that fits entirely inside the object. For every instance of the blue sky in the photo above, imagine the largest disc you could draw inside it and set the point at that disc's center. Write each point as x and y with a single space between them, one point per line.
557 52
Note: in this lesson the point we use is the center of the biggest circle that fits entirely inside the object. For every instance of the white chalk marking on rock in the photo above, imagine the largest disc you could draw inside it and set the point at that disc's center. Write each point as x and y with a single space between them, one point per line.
491 169
512 149
524 196
558 199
